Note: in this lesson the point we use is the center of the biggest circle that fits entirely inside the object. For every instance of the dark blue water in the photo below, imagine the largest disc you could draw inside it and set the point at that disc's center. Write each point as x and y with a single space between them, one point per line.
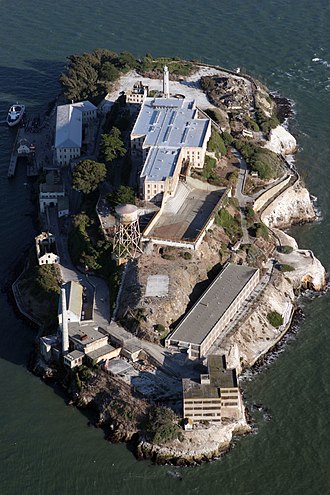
45 447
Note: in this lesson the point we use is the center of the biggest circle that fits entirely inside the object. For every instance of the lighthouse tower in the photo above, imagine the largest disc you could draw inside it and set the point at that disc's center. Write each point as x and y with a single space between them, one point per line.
166 82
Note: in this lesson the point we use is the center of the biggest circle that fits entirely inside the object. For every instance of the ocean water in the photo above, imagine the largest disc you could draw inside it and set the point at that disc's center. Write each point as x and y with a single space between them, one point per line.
46 447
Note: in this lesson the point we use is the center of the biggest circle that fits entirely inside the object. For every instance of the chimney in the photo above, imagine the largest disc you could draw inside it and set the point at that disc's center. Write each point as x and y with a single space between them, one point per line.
64 326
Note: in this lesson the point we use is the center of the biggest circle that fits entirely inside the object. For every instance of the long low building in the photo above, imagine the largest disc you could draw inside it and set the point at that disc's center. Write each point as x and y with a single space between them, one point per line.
213 311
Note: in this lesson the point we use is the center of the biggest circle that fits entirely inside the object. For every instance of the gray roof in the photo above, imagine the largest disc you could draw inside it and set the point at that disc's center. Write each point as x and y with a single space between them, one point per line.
101 351
74 355
68 127
85 334
168 125
160 163
219 375
212 305
73 291
84 106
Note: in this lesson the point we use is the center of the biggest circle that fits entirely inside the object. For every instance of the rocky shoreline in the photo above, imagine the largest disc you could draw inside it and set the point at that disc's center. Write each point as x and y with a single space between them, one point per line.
246 346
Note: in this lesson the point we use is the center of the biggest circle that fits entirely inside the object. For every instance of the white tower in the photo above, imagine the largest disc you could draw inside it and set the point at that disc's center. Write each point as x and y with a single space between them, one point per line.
166 82
64 324
126 240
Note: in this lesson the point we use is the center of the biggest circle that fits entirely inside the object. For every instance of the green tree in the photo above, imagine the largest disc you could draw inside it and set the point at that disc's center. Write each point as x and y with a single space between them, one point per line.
161 425
123 195
109 72
112 145
87 175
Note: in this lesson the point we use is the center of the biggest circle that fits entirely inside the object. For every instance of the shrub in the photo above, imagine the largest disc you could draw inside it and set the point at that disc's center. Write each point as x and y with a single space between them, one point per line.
230 224
262 231
275 319
285 268
285 249
216 143
161 425
186 255
160 328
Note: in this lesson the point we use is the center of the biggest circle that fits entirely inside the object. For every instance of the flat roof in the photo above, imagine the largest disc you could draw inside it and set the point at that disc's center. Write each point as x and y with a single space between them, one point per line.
85 334
213 304
101 351
118 366
68 132
219 375
74 355
73 291
160 163
84 105
168 124
194 390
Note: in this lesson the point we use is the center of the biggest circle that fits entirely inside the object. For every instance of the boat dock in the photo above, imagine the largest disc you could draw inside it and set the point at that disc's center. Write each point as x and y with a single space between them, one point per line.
34 143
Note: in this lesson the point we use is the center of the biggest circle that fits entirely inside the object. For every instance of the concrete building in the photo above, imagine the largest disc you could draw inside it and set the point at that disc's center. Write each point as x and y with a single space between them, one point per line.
51 191
213 311
216 397
167 134
46 249
70 120
73 359
138 94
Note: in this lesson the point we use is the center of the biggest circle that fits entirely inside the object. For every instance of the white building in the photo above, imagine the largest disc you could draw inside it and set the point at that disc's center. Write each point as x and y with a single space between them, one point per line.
73 293
69 128
46 249
167 133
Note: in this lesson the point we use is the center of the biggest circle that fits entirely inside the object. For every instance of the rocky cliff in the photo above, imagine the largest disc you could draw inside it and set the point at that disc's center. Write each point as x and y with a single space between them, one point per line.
292 206
281 141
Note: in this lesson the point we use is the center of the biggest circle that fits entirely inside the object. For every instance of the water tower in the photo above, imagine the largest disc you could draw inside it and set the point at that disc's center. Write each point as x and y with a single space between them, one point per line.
126 240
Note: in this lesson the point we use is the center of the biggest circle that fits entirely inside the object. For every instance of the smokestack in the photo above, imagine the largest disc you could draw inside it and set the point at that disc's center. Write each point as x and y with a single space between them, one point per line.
166 82
64 325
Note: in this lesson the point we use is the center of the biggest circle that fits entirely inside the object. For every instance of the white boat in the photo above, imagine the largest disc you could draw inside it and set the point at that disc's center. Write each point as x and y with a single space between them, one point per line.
15 114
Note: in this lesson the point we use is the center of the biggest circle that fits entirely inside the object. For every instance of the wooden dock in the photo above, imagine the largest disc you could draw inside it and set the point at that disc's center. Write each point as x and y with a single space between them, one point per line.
14 155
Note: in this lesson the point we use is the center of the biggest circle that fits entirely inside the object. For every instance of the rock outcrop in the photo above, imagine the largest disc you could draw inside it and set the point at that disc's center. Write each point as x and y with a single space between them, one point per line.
196 447
281 141
292 206
254 336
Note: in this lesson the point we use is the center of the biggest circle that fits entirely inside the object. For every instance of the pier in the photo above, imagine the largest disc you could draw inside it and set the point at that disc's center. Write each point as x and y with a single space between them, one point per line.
34 142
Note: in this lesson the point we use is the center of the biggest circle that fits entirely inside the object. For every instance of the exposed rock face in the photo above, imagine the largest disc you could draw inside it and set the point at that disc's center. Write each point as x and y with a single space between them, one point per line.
281 141
254 336
197 446
292 206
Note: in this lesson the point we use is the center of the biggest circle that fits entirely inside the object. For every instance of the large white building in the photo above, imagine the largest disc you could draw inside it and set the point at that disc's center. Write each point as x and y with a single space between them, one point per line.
212 313
69 129
167 133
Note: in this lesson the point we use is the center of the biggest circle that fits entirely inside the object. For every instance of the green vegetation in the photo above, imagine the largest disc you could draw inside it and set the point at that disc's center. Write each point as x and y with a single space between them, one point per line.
216 116
112 146
87 176
90 75
160 328
230 224
275 319
216 144
186 255
227 139
285 268
265 123
285 249
208 172
262 231
161 425
265 162
176 66
123 195
250 123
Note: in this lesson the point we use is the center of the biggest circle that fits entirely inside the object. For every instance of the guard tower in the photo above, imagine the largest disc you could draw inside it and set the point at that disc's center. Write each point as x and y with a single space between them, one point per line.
166 82
126 240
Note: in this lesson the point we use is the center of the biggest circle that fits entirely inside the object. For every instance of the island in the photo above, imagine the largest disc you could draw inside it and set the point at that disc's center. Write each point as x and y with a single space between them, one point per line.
162 270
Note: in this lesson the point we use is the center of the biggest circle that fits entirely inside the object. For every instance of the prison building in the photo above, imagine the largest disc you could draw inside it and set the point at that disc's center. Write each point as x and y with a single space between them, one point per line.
167 133
214 310
216 397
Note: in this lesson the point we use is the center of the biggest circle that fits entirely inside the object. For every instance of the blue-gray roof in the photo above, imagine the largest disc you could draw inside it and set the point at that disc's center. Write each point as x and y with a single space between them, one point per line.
168 125
68 127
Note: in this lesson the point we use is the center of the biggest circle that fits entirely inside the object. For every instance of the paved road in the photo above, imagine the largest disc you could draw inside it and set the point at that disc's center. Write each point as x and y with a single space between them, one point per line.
69 272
